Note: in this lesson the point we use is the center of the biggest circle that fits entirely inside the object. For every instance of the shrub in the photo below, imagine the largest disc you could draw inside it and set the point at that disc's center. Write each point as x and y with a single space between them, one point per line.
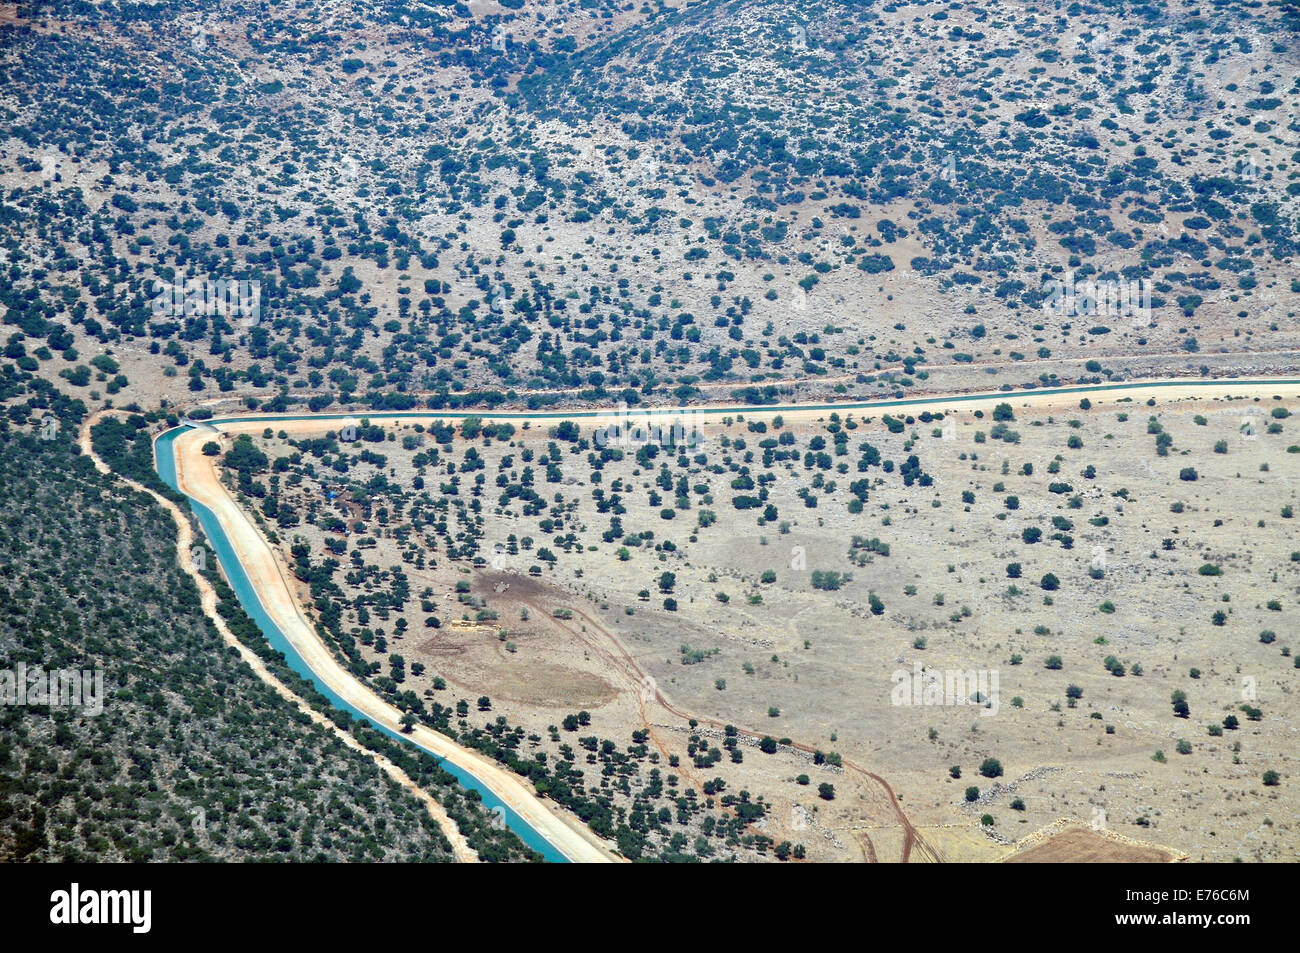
828 580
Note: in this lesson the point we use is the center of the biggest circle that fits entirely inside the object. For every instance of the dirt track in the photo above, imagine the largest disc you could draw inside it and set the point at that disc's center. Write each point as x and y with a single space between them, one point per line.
621 660
1129 393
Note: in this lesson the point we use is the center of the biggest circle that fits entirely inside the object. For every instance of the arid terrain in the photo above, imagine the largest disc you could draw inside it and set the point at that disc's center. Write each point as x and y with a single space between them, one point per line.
966 531
547 615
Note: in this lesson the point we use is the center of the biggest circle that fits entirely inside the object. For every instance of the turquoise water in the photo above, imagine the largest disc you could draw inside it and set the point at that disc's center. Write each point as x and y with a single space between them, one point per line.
234 570
165 461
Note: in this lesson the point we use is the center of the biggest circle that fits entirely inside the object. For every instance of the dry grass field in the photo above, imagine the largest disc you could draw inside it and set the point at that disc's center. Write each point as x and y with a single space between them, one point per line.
1143 557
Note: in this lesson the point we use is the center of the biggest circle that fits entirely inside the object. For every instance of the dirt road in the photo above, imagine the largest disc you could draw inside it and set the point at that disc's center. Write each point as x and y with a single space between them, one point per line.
1128 393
